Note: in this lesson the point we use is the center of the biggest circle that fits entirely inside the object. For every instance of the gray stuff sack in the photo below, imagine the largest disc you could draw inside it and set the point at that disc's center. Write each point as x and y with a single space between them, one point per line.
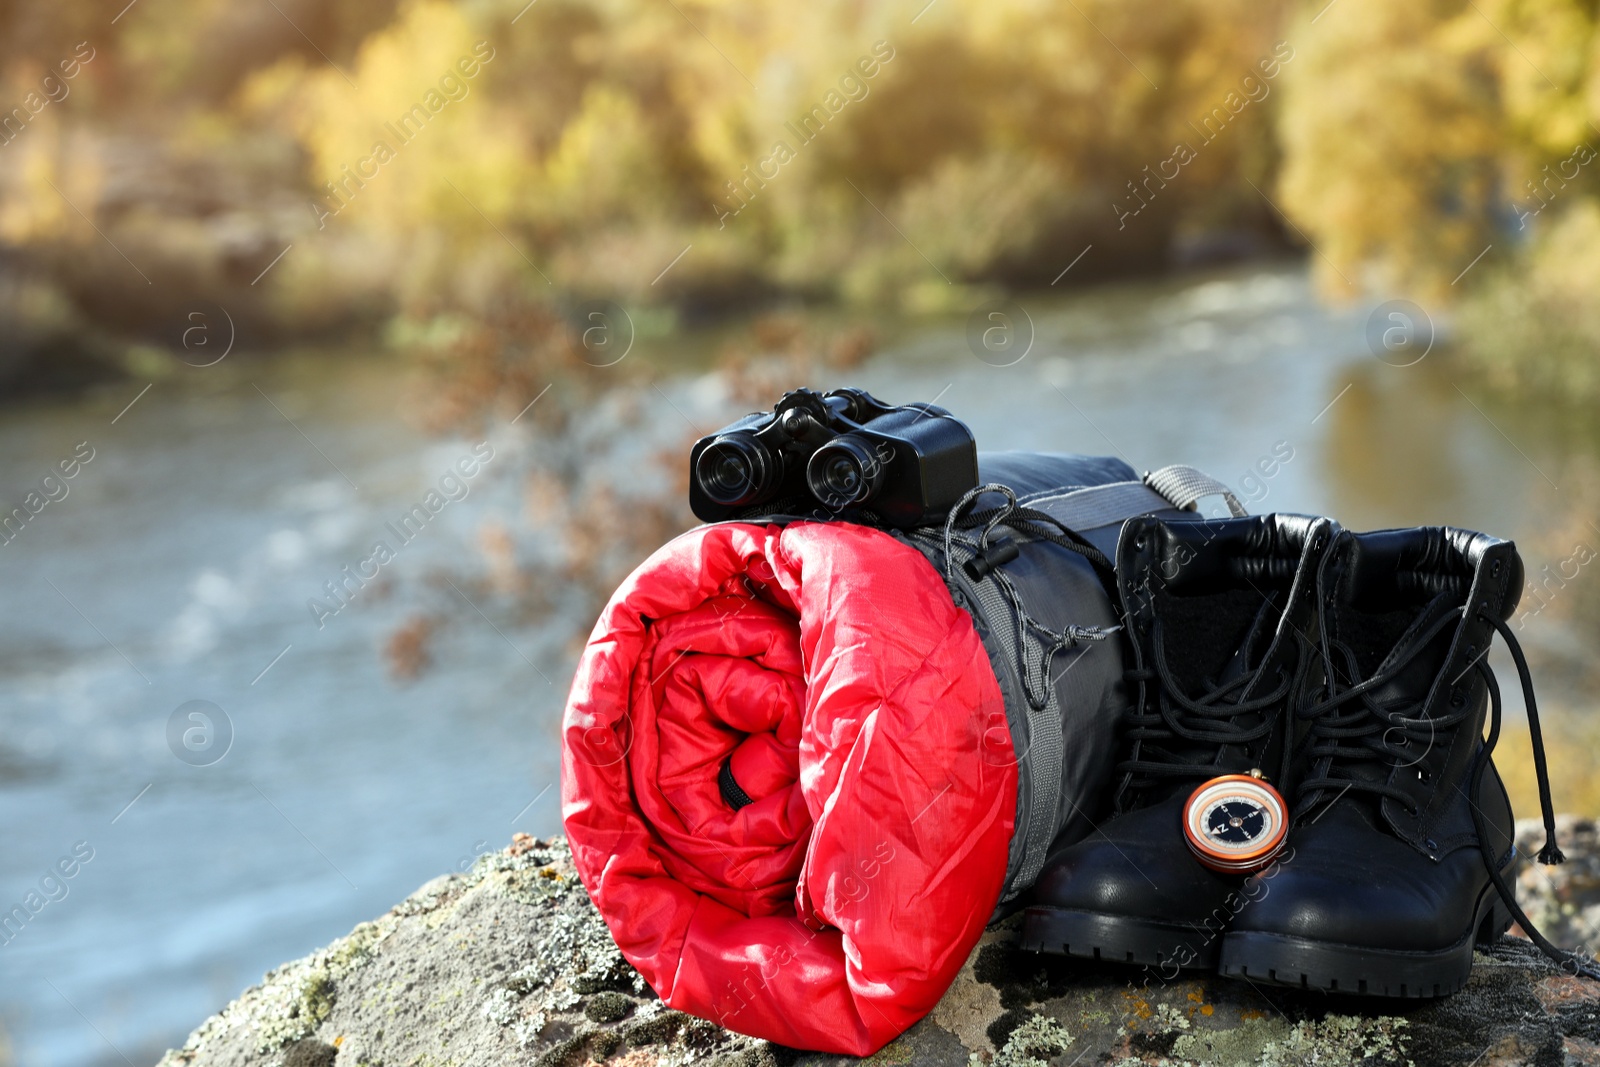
1028 554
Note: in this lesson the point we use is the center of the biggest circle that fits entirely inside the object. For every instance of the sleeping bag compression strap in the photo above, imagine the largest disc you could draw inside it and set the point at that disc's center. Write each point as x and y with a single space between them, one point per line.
1030 644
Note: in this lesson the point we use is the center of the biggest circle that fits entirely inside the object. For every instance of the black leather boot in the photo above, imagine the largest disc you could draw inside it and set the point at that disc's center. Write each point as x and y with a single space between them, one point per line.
1215 611
1402 832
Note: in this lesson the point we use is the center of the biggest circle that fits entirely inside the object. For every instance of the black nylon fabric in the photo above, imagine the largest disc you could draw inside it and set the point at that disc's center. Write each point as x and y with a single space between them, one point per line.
1058 588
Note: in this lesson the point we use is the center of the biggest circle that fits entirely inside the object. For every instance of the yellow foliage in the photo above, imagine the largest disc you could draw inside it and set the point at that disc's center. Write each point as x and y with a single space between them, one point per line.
600 171
1389 135
1536 326
406 82
1411 131
577 145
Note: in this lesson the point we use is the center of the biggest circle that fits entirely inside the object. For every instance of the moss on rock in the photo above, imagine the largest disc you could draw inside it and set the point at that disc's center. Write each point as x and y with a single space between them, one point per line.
608 1007
308 1052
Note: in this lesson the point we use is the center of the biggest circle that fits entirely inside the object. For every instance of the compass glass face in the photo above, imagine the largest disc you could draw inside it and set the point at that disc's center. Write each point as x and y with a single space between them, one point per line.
1235 822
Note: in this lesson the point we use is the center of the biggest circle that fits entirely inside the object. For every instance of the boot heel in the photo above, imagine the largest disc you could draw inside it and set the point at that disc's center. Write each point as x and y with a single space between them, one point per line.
1495 922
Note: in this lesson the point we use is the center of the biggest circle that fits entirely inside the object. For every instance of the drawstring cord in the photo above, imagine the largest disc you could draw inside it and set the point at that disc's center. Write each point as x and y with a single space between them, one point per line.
1026 521
1036 524
997 515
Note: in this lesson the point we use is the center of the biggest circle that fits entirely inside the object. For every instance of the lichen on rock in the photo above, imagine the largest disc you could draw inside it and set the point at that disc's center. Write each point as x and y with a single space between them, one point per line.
1034 1043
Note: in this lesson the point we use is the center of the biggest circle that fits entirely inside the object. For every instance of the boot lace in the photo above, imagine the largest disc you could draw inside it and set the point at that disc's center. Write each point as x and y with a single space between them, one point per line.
1180 735
1351 726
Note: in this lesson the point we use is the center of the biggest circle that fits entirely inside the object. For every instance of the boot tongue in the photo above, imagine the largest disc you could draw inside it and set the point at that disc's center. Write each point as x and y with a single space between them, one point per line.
1196 673
1253 651
1247 660
1198 677
1414 680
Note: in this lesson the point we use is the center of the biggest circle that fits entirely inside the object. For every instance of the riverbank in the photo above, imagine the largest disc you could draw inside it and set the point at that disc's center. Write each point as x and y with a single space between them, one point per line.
217 504
510 963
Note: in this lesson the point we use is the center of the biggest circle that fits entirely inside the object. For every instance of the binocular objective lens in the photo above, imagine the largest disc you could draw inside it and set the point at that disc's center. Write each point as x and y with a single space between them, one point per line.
842 476
730 474
844 473
733 471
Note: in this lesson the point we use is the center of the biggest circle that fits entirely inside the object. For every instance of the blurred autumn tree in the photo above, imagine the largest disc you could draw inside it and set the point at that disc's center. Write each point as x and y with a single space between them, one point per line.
875 153
592 143
1418 136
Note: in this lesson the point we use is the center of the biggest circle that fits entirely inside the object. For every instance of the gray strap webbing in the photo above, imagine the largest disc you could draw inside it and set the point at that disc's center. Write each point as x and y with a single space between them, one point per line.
1045 753
1184 486
1041 785
1046 746
1099 505
1090 507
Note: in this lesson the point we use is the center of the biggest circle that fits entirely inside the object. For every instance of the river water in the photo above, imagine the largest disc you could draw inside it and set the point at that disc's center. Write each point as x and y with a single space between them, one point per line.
318 790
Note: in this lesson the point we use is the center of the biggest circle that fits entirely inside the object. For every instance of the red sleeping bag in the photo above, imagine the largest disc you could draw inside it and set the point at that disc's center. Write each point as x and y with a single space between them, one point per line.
827 668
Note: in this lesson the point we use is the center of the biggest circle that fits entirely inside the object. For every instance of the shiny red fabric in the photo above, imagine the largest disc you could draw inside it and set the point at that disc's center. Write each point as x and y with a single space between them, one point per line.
854 699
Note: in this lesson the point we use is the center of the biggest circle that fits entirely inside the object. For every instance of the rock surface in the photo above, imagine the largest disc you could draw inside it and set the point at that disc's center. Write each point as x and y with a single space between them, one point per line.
511 964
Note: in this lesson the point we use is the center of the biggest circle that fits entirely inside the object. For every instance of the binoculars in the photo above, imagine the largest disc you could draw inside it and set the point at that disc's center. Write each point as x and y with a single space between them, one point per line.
835 454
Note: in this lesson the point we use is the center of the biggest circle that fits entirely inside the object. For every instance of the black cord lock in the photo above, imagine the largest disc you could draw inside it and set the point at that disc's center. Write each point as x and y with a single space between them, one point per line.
1001 552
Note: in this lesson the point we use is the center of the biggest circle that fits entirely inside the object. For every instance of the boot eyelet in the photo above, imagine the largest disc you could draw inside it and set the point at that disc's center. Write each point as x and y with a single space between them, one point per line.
1433 846
1457 698
1494 569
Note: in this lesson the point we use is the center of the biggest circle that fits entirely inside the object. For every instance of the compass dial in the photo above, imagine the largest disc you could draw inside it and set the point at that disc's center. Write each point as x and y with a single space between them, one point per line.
1235 824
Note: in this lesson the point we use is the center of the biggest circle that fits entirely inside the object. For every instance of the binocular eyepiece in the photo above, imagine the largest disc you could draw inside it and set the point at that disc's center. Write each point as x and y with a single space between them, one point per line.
823 455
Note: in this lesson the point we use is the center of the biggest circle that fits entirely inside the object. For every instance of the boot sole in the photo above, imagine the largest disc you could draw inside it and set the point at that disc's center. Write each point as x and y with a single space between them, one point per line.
1360 969
1117 938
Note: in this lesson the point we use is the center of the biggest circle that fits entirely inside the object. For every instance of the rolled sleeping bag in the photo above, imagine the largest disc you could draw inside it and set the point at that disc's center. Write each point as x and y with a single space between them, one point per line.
805 763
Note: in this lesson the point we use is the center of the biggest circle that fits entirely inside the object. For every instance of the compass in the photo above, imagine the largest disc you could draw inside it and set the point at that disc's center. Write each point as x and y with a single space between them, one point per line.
1236 824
